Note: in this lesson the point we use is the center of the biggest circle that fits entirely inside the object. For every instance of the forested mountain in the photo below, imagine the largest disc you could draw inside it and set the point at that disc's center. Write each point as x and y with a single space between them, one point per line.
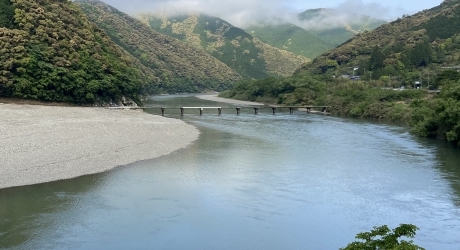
179 66
50 51
335 26
363 77
406 50
290 37
247 55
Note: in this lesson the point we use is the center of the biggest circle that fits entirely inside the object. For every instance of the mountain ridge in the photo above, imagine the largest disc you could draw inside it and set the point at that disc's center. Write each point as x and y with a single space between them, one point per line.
244 53
180 67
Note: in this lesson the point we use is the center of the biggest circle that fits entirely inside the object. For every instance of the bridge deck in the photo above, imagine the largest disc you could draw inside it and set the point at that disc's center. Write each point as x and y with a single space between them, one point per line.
238 109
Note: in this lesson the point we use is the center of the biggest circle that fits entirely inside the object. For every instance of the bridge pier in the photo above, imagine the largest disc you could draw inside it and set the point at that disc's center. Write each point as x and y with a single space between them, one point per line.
324 109
291 111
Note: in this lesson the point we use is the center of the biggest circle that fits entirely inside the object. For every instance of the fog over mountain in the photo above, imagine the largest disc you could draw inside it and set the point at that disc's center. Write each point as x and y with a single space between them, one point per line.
243 13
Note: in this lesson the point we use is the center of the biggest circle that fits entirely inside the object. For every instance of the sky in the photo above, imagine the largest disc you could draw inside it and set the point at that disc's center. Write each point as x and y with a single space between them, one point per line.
243 13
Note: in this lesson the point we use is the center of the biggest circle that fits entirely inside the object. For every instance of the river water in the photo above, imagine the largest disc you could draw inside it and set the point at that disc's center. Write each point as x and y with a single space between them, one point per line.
300 181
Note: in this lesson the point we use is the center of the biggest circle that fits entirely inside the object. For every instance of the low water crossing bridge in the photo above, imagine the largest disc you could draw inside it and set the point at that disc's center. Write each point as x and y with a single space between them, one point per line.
308 109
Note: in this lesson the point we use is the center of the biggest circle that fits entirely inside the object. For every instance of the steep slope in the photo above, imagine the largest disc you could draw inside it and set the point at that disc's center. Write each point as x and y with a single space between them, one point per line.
335 26
247 55
179 66
411 48
290 37
50 51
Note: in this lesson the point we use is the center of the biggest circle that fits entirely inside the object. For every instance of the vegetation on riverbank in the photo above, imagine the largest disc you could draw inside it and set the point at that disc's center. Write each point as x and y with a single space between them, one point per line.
429 115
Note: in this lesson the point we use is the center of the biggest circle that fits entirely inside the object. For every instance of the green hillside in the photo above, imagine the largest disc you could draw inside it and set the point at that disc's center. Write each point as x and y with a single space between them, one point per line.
180 67
290 37
327 29
408 49
51 52
247 55
363 77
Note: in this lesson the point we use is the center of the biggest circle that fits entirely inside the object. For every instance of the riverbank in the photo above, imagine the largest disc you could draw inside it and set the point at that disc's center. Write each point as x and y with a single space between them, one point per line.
215 98
46 143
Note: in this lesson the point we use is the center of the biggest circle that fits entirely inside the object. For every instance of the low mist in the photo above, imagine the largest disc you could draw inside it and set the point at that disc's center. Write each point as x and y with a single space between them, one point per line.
244 13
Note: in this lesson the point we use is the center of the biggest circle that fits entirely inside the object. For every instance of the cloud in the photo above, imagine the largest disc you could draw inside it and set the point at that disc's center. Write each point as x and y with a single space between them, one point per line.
243 13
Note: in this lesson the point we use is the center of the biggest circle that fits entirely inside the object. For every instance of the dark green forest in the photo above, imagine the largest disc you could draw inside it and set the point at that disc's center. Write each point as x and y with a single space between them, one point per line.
7 14
51 52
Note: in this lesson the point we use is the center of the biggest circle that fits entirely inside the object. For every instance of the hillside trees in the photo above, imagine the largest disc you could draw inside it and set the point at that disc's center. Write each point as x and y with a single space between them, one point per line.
6 14
440 116
179 66
57 55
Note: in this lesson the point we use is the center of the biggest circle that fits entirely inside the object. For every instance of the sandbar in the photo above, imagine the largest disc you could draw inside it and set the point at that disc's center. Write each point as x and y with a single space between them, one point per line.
41 144
215 98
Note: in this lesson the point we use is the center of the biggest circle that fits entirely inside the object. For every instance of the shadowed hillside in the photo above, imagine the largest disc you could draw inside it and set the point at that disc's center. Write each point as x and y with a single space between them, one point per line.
179 66
290 37
334 26
247 55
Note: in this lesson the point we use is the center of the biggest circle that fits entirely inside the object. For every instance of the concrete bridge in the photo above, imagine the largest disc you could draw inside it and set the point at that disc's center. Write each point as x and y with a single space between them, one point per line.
308 109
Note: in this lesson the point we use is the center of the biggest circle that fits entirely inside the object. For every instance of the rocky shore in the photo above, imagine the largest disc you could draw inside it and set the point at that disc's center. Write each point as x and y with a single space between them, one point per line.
46 143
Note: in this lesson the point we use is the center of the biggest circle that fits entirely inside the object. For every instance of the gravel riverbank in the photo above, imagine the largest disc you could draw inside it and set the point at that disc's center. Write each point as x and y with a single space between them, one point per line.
46 143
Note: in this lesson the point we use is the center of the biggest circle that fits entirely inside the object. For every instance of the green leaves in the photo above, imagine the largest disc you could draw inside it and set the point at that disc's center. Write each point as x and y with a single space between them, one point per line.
7 14
385 238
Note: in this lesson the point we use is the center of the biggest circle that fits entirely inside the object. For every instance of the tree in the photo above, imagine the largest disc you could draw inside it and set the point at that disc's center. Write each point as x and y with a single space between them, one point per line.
377 58
7 14
384 238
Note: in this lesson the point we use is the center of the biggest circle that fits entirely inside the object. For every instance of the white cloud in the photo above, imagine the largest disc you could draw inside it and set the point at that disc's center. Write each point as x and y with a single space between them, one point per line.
242 13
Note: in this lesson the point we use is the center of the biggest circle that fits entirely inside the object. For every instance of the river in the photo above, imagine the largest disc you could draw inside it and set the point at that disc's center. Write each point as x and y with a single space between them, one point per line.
300 181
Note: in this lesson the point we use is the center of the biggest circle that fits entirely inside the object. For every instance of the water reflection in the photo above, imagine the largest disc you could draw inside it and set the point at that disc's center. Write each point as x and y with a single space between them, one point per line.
250 182
25 212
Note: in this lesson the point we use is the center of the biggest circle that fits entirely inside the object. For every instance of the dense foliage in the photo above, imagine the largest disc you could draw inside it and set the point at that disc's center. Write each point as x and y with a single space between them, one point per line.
180 67
247 55
56 54
385 238
7 14
428 114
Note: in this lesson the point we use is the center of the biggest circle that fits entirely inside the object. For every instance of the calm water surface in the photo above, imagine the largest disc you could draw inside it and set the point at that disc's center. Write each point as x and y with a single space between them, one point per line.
279 181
